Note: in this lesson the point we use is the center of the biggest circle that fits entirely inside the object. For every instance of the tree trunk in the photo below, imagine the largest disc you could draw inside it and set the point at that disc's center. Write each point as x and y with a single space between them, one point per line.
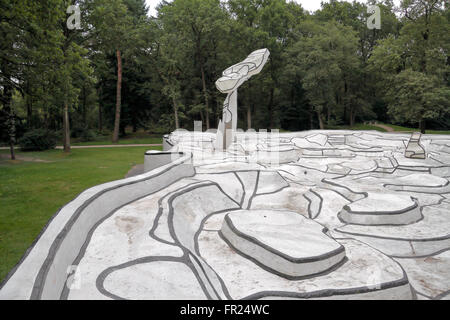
100 116
11 124
29 104
29 112
84 105
249 117
345 113
422 126
175 111
271 107
206 97
11 149
118 97
66 127
328 115
352 117
319 116
11 129
202 117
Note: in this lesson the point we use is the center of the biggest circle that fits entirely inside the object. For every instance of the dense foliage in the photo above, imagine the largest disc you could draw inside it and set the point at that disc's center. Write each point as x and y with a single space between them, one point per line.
37 140
125 69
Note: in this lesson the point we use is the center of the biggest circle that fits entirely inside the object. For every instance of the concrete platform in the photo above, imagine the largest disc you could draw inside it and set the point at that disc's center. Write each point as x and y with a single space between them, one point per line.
382 209
284 242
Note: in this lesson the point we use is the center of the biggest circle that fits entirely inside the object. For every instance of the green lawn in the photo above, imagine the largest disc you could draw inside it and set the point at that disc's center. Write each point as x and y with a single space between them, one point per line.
406 129
31 192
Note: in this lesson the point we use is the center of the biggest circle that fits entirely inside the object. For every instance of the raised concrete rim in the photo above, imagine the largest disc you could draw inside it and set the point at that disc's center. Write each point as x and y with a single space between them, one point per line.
330 254
374 213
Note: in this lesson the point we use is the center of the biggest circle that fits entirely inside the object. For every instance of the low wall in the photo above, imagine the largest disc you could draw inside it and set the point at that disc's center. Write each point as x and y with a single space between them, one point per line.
155 159
43 270
166 143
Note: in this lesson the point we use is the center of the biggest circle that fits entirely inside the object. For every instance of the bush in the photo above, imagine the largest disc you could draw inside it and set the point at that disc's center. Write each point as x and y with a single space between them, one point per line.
38 140
88 135
83 133
77 131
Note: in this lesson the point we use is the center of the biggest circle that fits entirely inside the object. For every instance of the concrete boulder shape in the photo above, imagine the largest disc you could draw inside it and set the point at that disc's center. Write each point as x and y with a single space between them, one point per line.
282 242
382 209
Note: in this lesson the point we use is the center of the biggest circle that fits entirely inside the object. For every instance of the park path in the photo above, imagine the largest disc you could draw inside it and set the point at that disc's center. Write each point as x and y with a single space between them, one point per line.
112 146
101 146
382 126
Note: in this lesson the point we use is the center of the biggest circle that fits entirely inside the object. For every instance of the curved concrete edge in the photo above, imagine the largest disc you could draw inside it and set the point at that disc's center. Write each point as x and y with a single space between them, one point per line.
43 270
155 159
276 262
408 216
167 145
395 292
401 247
315 203
418 189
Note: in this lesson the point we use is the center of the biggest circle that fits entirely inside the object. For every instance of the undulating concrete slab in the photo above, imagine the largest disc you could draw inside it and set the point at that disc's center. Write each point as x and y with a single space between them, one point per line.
304 215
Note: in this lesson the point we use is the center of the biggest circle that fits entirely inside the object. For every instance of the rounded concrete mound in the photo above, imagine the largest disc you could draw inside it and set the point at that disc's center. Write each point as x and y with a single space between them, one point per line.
282 242
382 209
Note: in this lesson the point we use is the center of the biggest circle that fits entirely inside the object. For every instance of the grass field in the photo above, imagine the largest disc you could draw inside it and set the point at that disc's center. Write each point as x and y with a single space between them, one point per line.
405 129
31 192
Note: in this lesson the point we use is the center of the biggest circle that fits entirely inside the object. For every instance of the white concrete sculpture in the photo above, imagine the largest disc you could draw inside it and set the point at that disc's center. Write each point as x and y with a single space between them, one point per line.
414 149
232 78
343 215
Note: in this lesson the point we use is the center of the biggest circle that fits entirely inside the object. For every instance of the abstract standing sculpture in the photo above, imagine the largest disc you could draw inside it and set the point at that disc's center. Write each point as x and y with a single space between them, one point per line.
415 149
232 78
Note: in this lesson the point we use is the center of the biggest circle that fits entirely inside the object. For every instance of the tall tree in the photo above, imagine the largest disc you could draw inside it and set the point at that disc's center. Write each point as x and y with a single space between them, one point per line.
419 54
198 24
28 30
113 28
325 59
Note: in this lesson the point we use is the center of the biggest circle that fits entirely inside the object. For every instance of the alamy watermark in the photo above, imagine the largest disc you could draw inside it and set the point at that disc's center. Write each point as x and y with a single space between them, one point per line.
263 147
374 21
74 20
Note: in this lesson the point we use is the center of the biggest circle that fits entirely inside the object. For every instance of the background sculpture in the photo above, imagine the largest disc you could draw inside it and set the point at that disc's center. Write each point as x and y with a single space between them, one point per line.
232 78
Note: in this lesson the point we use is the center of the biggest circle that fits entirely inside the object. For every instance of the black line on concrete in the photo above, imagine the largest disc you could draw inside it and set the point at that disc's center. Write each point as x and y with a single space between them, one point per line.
105 273
254 191
442 295
45 268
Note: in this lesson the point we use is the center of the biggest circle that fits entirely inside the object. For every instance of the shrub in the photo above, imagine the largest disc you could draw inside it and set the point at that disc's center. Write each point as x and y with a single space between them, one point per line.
38 140
83 133
88 135
77 131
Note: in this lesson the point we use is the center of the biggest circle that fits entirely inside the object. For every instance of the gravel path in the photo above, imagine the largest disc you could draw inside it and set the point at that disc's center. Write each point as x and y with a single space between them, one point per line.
382 126
101 146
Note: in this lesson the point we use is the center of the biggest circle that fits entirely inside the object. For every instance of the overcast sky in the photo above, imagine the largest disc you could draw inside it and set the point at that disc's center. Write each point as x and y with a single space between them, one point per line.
311 5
